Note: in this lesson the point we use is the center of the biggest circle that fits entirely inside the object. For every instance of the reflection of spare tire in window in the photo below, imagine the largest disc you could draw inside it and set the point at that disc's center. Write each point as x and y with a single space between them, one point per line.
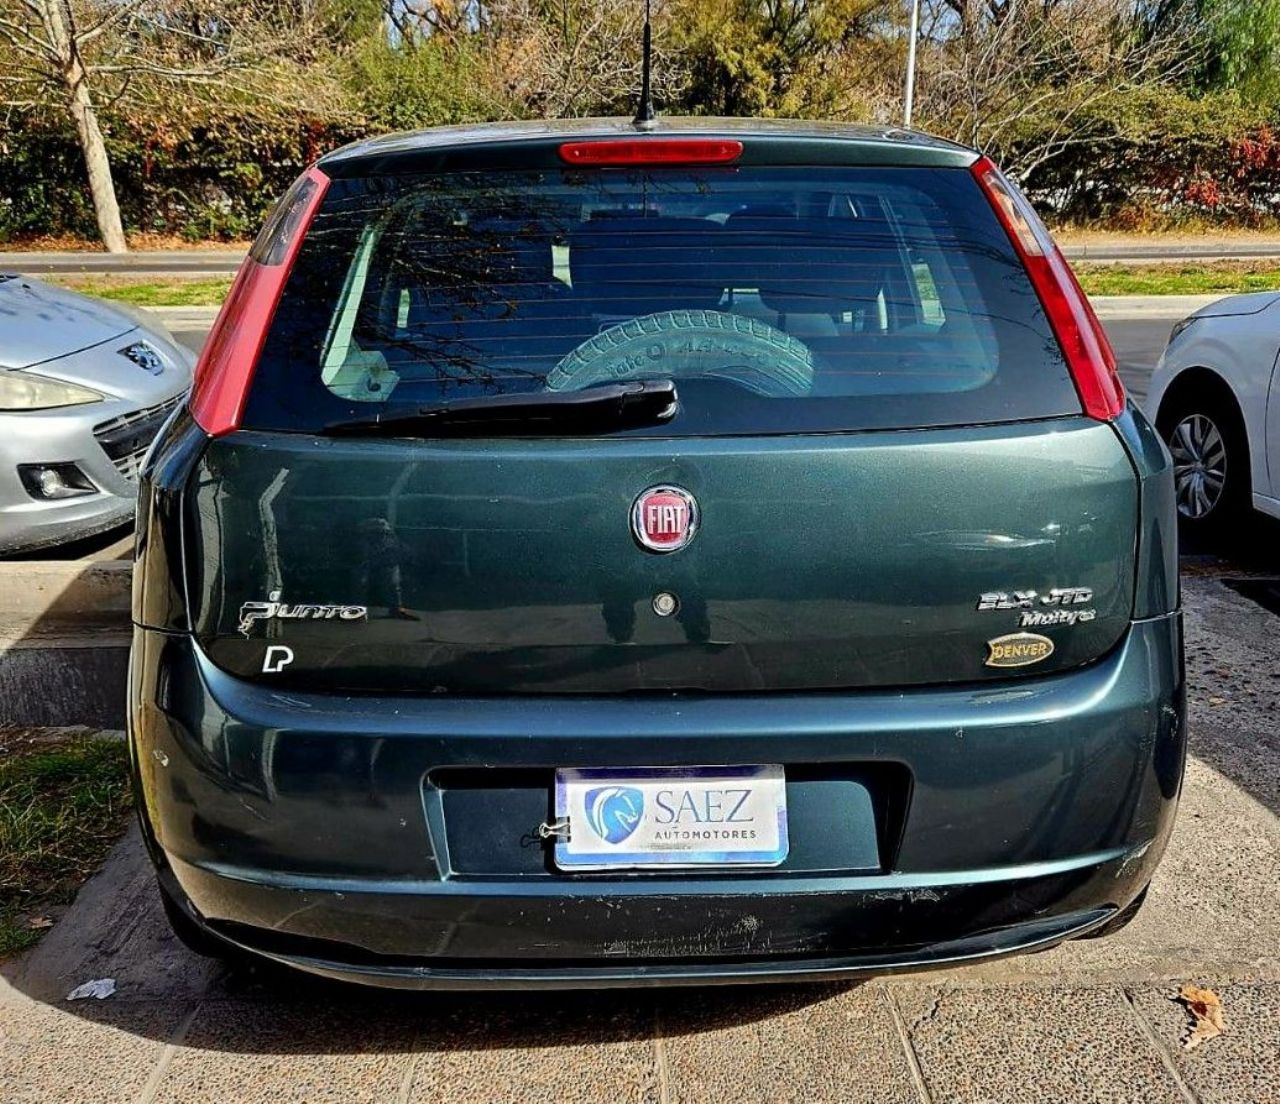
679 344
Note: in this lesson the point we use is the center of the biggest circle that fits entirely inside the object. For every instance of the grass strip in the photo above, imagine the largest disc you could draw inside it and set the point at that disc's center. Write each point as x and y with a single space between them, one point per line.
1216 277
196 292
63 805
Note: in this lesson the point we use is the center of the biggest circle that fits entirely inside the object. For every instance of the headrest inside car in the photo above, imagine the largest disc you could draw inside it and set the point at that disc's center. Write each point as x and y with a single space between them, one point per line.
635 265
808 265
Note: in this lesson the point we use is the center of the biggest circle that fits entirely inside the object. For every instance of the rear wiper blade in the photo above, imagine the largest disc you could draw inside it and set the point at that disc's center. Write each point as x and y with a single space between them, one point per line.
637 402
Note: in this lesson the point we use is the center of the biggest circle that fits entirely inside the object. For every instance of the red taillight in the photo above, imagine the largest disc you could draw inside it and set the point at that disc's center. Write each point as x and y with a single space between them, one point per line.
1088 353
652 151
225 368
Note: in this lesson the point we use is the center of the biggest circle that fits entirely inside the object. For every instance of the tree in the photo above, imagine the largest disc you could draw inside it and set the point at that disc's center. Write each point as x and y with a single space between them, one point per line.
1243 49
779 57
1029 79
80 53
559 58
52 47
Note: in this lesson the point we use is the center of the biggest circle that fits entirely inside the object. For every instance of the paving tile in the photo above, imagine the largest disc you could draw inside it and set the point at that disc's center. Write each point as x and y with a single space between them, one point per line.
995 1044
1240 1066
89 1052
809 1043
261 1050
552 1047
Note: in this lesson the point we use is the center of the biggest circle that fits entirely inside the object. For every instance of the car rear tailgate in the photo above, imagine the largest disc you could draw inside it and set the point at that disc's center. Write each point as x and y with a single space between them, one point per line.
836 561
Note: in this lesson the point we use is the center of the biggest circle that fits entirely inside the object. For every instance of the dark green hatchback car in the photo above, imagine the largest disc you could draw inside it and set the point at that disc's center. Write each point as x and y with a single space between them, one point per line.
596 554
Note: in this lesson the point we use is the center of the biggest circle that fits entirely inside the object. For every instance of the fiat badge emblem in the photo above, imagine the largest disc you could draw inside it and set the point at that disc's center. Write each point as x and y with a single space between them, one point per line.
664 519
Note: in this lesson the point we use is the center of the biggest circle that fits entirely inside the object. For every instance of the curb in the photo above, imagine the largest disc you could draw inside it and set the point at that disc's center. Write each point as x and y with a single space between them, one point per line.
65 684
1207 249
34 593
161 263
1174 307
183 317
64 641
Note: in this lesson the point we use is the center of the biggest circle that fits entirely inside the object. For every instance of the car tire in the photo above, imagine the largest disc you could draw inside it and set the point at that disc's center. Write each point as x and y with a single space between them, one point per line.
774 363
191 934
1207 438
1121 919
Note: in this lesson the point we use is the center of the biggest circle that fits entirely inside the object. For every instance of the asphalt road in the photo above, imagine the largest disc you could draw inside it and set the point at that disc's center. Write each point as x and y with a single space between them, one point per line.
177 262
1138 343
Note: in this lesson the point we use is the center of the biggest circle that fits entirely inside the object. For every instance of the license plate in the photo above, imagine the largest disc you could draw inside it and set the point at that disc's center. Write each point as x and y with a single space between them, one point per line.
643 817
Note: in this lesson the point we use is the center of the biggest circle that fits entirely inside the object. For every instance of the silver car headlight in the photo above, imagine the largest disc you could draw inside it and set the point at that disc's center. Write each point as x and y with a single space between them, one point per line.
24 391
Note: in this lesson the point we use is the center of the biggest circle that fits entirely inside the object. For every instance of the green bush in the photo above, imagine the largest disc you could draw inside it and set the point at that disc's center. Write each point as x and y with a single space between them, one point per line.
209 181
1164 159
431 84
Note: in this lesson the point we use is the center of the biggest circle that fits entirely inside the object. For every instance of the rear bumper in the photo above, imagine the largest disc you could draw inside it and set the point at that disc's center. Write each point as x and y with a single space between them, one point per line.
316 831
856 931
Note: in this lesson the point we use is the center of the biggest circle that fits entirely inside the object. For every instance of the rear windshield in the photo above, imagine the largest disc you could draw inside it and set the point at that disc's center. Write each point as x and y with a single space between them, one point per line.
780 299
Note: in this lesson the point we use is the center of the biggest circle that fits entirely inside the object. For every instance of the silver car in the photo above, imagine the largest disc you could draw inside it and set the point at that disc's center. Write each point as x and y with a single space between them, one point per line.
84 387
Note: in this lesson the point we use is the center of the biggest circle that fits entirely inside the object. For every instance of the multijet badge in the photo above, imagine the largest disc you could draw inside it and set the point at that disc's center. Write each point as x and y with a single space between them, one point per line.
1060 606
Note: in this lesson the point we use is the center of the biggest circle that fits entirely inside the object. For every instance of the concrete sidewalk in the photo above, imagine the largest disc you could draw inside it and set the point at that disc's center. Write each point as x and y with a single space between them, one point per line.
1088 1021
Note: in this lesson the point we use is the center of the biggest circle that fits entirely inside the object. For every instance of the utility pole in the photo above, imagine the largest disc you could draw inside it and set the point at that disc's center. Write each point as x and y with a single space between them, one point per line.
909 94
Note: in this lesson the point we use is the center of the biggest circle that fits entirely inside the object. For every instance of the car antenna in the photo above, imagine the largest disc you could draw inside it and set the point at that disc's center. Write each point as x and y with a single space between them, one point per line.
645 116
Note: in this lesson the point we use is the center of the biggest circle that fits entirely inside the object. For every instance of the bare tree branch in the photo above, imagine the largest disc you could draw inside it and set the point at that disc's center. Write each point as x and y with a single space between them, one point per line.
14 31
122 11
1020 78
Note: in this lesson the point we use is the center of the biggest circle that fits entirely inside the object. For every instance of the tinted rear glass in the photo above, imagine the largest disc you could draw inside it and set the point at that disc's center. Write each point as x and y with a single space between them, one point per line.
780 299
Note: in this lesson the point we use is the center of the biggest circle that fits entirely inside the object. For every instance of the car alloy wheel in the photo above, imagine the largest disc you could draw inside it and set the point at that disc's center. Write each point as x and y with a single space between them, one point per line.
1199 465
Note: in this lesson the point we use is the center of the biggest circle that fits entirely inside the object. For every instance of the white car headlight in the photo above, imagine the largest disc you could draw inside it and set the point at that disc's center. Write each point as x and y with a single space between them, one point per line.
23 391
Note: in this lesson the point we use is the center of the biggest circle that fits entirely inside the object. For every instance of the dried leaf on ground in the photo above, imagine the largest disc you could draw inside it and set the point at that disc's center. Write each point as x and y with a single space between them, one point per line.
40 923
99 989
1206 1012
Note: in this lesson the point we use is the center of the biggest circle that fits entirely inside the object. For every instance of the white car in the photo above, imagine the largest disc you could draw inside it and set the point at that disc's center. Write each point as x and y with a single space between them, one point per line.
1215 398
